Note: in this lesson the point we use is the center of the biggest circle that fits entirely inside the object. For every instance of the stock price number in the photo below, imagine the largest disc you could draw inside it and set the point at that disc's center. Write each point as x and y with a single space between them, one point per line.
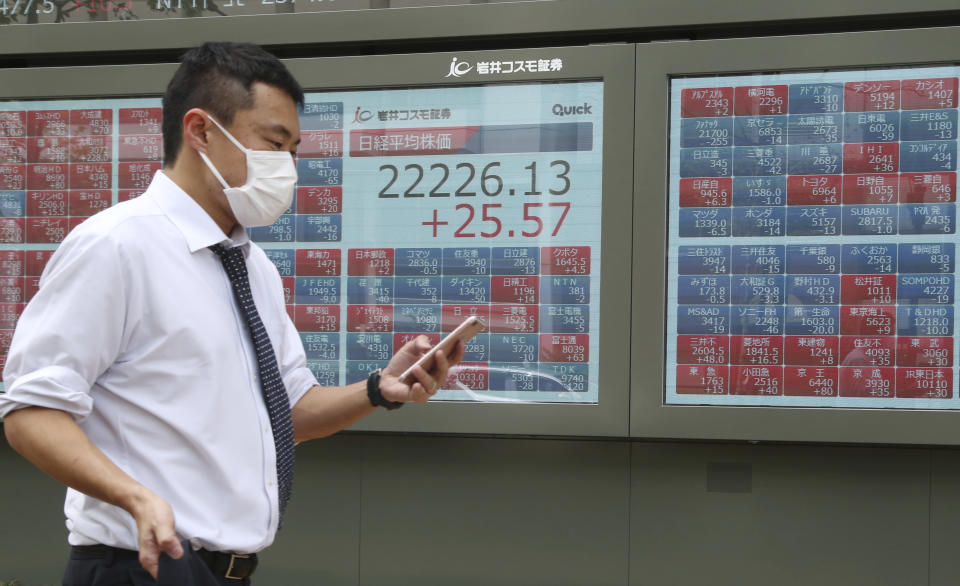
488 180
485 219
490 217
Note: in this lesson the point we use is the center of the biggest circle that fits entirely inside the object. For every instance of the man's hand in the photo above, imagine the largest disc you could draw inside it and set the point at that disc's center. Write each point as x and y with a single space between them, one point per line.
324 411
427 383
155 525
53 441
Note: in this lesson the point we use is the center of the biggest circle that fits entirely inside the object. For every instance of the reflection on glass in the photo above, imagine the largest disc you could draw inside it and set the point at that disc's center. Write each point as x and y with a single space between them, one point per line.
57 11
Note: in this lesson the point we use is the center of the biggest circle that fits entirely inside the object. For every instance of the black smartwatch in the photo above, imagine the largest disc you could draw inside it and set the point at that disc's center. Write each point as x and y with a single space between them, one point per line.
373 393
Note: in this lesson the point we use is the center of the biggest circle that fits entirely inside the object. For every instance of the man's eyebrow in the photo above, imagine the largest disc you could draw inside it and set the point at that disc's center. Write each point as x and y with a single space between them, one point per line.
281 129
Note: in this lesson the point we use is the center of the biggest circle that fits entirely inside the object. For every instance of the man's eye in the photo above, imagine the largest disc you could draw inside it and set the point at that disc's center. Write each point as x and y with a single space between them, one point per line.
277 145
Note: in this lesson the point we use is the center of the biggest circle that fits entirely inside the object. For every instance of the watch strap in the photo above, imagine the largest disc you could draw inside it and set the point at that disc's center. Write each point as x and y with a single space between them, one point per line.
374 395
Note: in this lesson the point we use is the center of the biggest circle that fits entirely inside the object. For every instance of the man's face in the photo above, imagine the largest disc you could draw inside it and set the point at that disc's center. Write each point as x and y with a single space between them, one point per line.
272 124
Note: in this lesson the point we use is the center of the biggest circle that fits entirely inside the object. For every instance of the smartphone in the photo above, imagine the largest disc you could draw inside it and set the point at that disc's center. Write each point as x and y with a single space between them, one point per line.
470 327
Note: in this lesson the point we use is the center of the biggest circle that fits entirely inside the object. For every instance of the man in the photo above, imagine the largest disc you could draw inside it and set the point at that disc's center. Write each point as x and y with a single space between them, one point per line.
156 372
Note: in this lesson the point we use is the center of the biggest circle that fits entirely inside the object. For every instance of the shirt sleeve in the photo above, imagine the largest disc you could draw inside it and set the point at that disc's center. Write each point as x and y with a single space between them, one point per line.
297 378
72 329
291 358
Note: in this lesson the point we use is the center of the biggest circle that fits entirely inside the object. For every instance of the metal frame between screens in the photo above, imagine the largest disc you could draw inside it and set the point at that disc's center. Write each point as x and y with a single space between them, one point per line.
405 24
656 64
612 64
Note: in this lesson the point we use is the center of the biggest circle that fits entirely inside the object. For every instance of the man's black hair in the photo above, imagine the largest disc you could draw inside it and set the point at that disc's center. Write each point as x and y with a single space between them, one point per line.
219 78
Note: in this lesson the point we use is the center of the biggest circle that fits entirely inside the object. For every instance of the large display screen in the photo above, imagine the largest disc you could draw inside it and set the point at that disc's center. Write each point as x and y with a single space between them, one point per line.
812 239
414 209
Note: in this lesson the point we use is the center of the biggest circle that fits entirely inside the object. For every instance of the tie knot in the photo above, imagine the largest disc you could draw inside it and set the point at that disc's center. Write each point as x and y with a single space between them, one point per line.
226 253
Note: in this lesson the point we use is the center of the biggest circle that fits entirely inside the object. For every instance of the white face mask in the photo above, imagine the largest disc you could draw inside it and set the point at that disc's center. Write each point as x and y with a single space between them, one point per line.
271 177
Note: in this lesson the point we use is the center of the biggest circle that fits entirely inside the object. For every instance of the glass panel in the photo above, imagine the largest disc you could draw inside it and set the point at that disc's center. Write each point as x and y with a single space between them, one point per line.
812 237
415 208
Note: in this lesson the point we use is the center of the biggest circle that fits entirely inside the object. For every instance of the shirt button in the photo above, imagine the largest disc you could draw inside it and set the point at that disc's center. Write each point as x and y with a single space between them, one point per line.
266 429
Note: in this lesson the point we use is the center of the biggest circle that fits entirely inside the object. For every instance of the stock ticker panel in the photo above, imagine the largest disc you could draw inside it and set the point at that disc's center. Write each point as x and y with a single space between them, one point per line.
812 252
414 209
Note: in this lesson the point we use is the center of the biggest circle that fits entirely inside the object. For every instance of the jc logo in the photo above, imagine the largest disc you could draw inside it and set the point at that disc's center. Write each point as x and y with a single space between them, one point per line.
458 68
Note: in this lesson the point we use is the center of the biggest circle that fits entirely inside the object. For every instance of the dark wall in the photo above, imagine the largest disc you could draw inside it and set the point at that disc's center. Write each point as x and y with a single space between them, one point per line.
430 510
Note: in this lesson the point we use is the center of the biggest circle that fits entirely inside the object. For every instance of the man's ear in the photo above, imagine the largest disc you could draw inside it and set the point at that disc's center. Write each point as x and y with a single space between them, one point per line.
195 128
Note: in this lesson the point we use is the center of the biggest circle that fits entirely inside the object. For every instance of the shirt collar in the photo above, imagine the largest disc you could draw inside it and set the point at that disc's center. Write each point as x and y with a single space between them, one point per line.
197 227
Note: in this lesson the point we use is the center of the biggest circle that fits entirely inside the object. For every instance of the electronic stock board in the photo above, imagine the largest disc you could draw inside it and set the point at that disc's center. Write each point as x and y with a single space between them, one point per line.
416 206
812 238
810 242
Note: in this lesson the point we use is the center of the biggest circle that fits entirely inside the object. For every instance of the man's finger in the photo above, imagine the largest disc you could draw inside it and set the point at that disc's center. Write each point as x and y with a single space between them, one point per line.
170 546
416 347
420 393
458 353
423 344
149 557
419 387
424 387
440 372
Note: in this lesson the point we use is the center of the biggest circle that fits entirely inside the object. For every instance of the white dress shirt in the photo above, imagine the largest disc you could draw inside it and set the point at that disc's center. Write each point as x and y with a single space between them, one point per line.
135 332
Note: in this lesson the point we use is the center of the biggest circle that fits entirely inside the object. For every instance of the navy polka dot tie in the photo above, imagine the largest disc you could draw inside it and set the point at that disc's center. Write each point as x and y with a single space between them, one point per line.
274 393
